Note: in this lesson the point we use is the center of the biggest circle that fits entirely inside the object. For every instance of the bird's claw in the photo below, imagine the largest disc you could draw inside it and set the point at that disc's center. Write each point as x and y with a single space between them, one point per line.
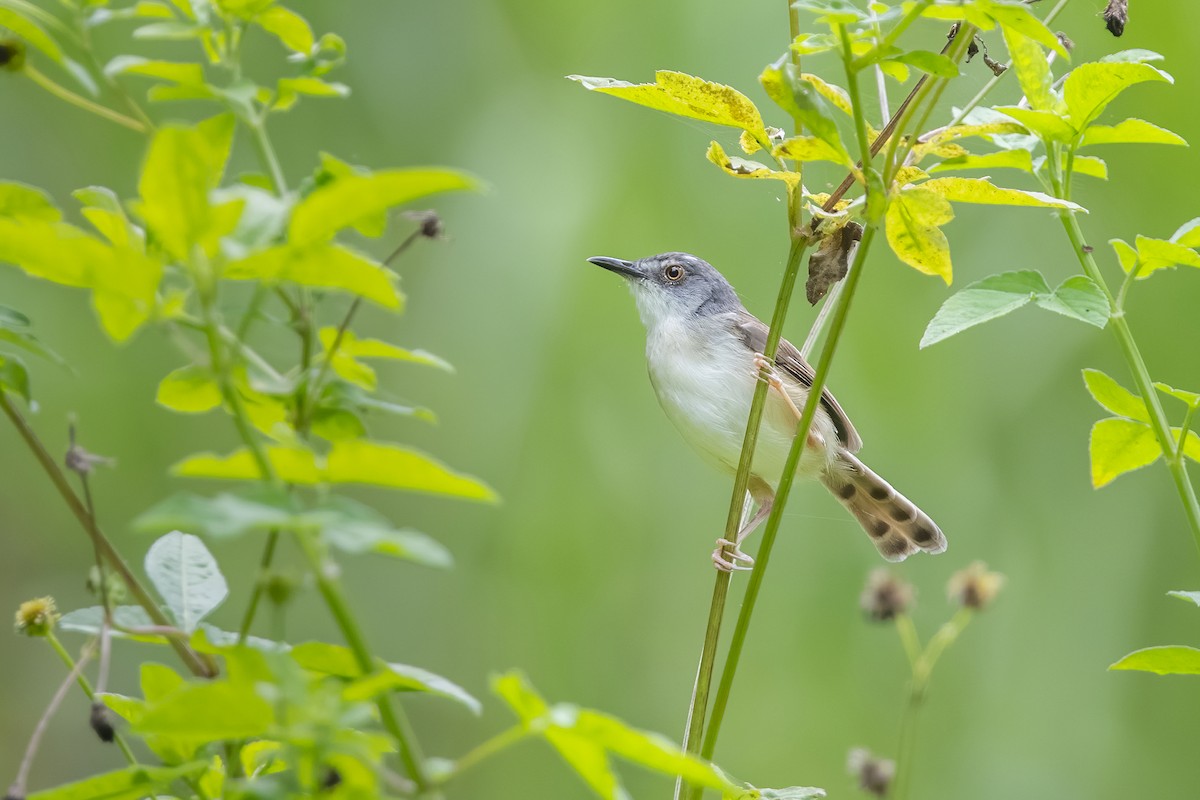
727 560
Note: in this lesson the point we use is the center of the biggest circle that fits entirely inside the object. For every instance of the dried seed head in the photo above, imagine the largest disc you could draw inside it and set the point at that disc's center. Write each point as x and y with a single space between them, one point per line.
974 587
332 779
37 617
874 774
995 66
80 460
111 584
1116 14
100 722
430 222
12 54
280 588
885 596
1065 41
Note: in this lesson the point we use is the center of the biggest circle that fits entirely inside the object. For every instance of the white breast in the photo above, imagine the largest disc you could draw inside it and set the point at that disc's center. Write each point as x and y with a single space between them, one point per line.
705 384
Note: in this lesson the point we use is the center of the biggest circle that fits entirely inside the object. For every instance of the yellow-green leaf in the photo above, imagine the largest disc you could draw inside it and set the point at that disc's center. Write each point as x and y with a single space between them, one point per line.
1045 124
289 27
19 201
1114 397
129 783
1091 166
977 190
293 465
32 33
1033 72
1192 399
913 225
744 168
1130 131
397 467
1089 88
191 390
353 346
321 265
686 96
1002 159
1164 660
810 148
1156 254
1118 446
834 94
352 197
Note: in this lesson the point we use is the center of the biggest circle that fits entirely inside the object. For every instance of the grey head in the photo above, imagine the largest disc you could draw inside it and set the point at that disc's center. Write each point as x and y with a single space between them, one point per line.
674 287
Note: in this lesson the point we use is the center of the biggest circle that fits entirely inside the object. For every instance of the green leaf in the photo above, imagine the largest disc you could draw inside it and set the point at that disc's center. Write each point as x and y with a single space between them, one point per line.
1016 17
1188 234
1191 398
339 661
354 347
836 95
12 319
131 783
31 32
1089 88
1119 446
1091 166
686 96
293 465
222 517
187 577
181 167
1126 255
745 168
288 90
984 300
321 265
792 793
207 712
810 148
355 528
189 390
14 377
103 209
1156 254
405 678
1046 125
977 190
289 27
1114 397
356 461
397 467
18 336
1004 159
1033 71
181 72
934 64
1130 131
1080 298
1164 660
1187 597
913 225
89 620
347 200
19 201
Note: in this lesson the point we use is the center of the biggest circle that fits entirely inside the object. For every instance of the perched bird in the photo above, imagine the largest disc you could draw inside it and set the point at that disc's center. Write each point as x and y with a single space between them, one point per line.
704 352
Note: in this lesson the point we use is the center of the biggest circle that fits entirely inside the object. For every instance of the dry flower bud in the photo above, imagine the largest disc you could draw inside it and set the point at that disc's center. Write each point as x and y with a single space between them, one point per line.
100 722
974 587
430 222
1065 41
874 774
885 596
1116 14
37 617
995 66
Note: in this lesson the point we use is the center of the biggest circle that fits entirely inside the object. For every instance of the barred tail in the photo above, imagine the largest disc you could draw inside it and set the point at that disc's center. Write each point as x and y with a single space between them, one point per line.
895 524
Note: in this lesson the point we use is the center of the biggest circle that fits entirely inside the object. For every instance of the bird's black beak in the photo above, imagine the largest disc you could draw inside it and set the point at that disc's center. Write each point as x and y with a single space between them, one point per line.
620 266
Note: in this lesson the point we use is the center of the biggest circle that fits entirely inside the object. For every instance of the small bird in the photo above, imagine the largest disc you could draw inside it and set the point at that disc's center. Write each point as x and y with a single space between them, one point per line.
704 353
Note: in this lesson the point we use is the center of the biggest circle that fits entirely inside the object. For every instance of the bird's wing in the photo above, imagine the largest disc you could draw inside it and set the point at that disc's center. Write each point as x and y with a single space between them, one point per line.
788 359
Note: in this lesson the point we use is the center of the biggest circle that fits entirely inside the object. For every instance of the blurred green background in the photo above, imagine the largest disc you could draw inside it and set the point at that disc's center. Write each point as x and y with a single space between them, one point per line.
593 574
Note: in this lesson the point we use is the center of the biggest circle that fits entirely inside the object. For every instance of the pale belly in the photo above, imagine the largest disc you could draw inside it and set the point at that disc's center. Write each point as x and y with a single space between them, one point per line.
706 390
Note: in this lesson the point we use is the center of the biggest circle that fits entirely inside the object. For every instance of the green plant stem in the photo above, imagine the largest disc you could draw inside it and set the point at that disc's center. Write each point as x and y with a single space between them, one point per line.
909 639
763 556
86 686
394 720
264 569
487 749
266 152
872 55
1133 358
197 664
922 671
79 101
699 704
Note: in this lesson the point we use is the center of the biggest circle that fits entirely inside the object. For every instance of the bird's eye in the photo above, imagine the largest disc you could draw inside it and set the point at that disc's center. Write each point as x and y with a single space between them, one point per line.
673 273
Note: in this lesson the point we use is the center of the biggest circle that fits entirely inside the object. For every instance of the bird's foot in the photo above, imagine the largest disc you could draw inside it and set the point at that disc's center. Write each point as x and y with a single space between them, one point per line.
727 560
766 371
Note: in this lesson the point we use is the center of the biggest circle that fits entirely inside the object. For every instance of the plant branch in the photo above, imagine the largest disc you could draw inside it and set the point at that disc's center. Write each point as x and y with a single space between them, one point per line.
79 101
487 749
763 556
17 789
198 665
86 686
